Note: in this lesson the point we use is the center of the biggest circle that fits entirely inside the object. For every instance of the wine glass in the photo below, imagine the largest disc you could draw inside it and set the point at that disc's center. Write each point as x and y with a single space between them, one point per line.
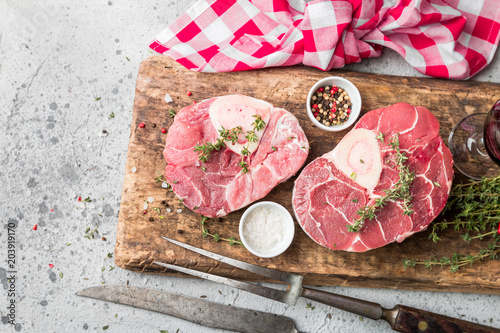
475 144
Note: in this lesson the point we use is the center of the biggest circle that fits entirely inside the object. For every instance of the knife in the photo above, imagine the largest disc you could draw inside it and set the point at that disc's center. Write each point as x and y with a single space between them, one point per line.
195 310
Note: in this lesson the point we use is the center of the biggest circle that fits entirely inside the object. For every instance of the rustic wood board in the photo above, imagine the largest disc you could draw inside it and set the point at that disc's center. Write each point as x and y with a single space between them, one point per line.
138 238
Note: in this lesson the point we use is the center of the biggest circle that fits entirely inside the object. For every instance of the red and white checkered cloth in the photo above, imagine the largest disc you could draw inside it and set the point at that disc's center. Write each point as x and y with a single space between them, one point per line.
442 38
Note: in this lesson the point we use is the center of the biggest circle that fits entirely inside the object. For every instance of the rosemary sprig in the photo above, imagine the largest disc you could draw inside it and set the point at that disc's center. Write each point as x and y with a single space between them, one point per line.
476 205
204 233
399 192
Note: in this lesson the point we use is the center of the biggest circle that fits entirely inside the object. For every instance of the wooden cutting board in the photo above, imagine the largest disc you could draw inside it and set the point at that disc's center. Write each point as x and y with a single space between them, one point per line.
138 234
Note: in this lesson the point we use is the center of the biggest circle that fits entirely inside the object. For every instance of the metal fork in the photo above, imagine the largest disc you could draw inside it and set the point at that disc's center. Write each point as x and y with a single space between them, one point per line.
401 318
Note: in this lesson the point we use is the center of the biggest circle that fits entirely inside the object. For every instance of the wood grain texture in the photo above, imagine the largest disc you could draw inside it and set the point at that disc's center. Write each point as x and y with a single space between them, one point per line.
412 320
138 238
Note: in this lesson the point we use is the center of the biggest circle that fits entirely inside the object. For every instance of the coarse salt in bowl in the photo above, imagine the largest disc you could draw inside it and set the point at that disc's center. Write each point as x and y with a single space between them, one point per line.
266 229
353 94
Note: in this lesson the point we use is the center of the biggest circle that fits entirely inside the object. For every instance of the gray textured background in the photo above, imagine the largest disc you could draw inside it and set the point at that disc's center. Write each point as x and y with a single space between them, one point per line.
56 58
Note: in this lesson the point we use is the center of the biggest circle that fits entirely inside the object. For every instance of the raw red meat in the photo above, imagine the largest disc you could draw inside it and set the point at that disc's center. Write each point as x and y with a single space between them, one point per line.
332 188
217 187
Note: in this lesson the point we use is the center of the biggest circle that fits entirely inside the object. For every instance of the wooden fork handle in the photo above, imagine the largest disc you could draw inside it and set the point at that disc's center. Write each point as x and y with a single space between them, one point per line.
406 319
401 318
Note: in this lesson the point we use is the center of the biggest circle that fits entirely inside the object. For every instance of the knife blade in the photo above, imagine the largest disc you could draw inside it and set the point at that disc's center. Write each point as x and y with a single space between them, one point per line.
195 310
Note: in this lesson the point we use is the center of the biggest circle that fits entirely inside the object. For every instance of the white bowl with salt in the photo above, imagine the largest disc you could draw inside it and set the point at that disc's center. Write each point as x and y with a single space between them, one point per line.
266 229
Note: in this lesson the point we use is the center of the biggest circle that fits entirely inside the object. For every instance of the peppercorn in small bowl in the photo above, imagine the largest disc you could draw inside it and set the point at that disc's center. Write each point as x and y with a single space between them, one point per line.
333 104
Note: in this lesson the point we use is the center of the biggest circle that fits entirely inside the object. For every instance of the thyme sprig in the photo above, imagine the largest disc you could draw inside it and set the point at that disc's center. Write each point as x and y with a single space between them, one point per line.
160 178
399 192
204 233
91 233
231 135
476 205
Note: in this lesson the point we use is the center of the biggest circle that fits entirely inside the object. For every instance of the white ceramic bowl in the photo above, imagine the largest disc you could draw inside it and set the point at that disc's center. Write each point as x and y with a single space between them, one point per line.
351 90
289 233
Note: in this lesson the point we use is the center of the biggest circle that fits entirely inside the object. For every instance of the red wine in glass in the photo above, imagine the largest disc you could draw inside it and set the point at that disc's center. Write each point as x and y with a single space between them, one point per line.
475 144
492 133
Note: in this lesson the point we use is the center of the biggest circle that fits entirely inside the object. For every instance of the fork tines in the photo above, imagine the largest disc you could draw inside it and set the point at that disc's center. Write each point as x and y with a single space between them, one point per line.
288 296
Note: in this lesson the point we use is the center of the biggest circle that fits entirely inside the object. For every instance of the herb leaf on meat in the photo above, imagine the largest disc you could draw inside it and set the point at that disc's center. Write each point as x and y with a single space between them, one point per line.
399 192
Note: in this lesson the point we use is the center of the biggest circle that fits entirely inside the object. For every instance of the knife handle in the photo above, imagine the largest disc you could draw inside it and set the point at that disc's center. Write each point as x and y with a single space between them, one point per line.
405 319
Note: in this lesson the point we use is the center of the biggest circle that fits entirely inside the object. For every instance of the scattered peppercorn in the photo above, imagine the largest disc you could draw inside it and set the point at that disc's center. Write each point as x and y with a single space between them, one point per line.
180 231
163 202
142 125
103 238
331 106
164 130
154 125
104 131
151 219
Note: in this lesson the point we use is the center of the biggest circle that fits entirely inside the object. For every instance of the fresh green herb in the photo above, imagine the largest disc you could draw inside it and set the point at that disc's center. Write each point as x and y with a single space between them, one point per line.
68 244
111 115
437 184
231 135
195 207
60 275
105 327
110 254
87 199
97 99
181 200
290 138
103 269
203 168
91 234
476 205
361 161
163 331
309 306
111 268
244 166
380 136
161 217
353 175
204 233
174 182
116 315
258 124
399 192
354 200
361 318
206 149
156 209
274 148
127 58
159 178
171 113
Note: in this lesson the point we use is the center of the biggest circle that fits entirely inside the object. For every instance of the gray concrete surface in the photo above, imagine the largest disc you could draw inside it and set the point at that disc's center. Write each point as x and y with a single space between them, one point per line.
56 58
